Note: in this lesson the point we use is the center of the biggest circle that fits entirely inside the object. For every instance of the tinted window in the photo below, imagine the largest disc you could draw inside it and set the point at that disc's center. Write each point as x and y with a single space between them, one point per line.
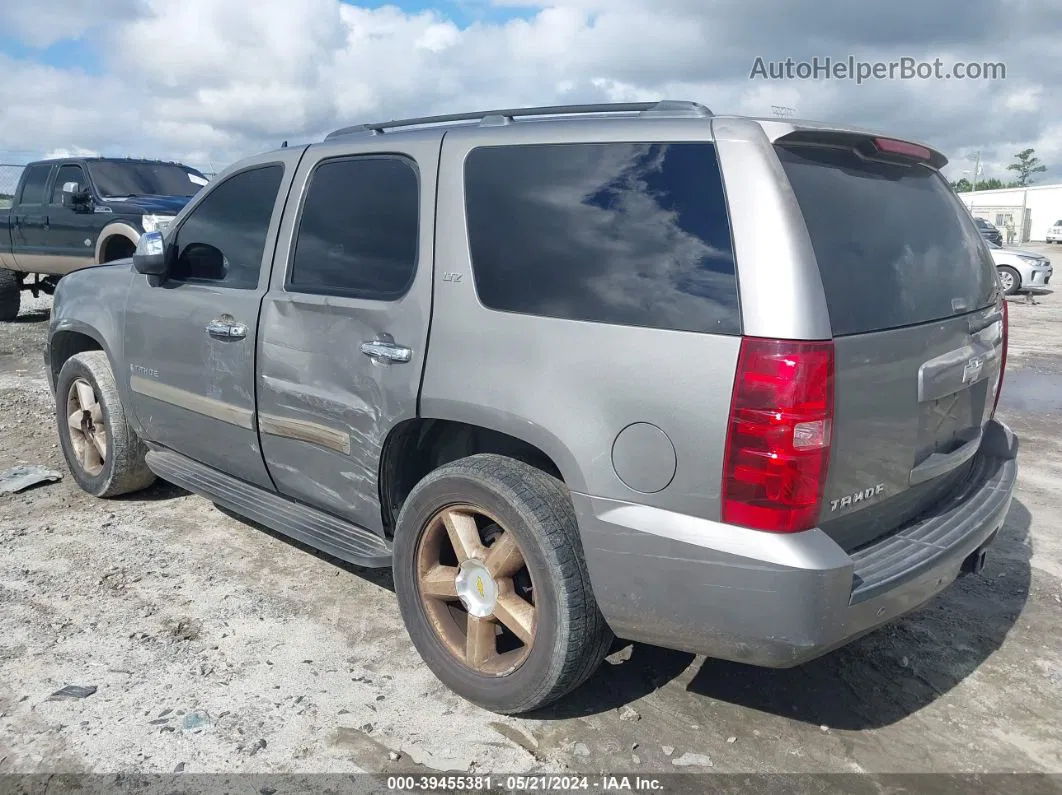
895 246
134 178
224 237
359 229
627 233
68 173
36 182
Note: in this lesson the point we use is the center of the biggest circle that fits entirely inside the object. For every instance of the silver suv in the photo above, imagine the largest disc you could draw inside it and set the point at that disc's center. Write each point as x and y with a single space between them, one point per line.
721 384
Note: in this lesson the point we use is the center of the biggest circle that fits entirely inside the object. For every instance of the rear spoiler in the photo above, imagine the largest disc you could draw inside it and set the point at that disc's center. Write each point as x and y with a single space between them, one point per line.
869 145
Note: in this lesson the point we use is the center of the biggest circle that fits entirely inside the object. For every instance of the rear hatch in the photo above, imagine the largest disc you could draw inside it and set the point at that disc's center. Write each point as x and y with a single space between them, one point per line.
918 327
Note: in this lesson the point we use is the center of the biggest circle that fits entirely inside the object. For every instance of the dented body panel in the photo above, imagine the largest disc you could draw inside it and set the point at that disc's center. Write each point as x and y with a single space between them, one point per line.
326 407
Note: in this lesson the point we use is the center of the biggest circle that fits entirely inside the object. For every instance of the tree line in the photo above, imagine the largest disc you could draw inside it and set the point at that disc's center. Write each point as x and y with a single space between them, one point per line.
1026 164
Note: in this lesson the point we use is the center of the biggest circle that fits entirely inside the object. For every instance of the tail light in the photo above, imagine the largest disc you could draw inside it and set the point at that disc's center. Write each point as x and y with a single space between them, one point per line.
1003 359
778 439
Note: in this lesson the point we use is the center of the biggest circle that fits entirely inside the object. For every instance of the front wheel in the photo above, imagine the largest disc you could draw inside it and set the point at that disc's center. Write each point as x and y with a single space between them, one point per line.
1009 279
492 584
10 295
102 451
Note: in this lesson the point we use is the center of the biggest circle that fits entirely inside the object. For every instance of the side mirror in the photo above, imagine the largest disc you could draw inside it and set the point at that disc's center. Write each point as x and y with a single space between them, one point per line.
74 197
150 255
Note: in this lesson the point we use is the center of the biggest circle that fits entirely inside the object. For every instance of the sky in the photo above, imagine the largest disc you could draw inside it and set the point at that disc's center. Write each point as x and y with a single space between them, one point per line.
207 82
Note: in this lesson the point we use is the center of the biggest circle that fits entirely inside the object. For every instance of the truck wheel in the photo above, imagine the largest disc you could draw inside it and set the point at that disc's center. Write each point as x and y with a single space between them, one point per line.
493 587
10 294
103 452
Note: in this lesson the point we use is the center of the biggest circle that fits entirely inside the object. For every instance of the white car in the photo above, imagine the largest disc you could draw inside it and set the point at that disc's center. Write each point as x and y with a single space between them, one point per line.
1020 269
1054 233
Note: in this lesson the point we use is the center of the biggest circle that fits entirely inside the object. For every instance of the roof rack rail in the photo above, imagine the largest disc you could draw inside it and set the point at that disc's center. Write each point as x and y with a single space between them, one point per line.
673 108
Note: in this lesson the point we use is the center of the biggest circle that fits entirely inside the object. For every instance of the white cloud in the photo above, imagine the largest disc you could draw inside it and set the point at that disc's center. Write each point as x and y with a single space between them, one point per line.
202 80
74 151
40 23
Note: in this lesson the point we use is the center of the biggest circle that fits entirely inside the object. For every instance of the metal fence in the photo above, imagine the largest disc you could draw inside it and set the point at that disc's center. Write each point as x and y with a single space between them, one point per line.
9 175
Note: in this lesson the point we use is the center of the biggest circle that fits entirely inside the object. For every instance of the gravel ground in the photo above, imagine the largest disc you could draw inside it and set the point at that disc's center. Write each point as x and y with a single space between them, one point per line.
216 646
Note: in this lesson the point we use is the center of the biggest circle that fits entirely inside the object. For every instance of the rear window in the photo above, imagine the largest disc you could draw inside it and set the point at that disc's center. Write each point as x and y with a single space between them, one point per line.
895 246
625 233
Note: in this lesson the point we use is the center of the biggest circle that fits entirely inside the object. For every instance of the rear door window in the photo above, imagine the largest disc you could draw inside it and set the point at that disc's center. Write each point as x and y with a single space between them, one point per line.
359 231
624 233
35 184
895 246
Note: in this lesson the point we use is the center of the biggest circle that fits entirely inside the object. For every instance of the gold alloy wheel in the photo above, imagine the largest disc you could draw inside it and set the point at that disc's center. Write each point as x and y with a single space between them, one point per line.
88 433
476 589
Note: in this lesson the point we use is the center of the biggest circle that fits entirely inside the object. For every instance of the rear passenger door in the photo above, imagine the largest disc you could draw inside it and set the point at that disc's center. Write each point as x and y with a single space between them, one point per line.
345 322
29 229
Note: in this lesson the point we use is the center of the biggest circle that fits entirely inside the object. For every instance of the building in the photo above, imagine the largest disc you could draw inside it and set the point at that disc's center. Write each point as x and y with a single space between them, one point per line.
1039 205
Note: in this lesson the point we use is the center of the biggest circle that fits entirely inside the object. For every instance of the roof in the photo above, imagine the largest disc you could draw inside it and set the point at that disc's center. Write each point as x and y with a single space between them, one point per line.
989 191
664 109
505 116
107 160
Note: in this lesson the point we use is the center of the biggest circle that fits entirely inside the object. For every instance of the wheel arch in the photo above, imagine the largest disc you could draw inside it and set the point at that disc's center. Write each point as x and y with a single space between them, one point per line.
108 233
69 340
416 447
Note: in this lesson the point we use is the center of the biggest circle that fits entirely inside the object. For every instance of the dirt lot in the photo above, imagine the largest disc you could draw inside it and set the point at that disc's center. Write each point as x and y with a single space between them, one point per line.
217 646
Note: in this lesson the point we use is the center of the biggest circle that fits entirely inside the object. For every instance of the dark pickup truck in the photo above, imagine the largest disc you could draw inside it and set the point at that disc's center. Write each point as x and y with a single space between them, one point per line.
68 214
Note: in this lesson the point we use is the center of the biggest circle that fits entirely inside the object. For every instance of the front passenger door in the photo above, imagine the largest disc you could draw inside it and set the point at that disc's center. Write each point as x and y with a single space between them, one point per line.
73 229
190 341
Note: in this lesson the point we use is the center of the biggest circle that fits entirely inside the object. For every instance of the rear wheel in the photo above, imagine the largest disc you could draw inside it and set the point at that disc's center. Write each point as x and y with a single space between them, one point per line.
492 584
103 452
1009 279
10 294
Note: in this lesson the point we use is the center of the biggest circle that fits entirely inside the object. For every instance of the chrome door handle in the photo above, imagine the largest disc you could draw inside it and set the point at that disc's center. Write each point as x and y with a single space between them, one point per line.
227 329
385 352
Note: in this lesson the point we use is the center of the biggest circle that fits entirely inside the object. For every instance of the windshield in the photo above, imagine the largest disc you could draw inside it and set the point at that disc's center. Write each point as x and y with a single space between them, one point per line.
116 179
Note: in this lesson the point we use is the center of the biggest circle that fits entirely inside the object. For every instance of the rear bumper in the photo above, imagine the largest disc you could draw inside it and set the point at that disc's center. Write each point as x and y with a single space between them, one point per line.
779 600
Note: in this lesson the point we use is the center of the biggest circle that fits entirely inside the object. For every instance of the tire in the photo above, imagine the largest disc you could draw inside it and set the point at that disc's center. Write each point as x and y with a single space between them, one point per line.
122 468
569 634
10 295
1009 276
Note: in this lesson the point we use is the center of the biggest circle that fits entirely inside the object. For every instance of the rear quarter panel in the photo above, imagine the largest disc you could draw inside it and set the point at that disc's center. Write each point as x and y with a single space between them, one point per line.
570 387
